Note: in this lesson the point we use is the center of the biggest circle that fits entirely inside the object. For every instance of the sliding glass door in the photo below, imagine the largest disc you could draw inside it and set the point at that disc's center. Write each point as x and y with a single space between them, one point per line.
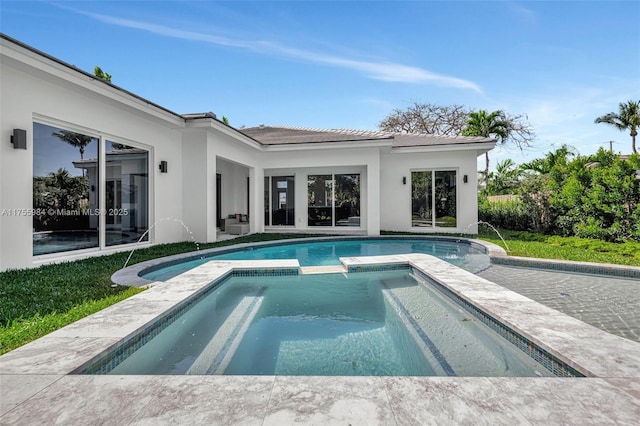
279 198
434 199
333 200
68 169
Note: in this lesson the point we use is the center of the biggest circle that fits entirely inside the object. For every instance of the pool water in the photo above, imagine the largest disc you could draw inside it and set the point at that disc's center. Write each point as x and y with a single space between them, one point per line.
59 241
459 253
372 324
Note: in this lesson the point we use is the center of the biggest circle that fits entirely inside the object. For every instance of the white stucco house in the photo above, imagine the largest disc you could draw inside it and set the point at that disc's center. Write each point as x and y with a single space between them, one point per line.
88 168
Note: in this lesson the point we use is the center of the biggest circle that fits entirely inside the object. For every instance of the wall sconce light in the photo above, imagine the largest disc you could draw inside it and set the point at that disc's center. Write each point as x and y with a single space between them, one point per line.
638 174
465 178
404 180
163 167
19 139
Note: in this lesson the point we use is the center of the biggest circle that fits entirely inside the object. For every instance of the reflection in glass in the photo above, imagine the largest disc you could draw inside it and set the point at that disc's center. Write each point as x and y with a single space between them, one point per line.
445 199
283 201
433 190
126 193
320 205
62 192
421 209
347 200
266 201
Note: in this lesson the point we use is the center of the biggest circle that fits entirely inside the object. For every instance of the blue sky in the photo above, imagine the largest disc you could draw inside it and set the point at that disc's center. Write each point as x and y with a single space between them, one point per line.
345 64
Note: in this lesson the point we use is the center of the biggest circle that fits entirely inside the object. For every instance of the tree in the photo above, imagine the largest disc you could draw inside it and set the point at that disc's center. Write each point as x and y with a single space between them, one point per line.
455 120
557 181
426 118
601 201
505 178
119 146
59 190
551 159
74 139
500 126
97 71
627 118
77 140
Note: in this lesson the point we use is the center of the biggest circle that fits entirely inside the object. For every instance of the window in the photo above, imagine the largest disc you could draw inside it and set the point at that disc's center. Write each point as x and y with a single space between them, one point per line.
63 191
347 200
66 200
320 190
127 194
334 200
434 199
279 199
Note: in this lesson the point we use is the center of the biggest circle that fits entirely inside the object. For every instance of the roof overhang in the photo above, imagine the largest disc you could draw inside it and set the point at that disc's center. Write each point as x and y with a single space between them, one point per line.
479 147
210 122
366 143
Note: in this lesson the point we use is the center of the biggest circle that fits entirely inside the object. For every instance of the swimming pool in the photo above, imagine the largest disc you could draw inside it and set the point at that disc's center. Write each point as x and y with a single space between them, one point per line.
379 323
40 379
585 291
462 253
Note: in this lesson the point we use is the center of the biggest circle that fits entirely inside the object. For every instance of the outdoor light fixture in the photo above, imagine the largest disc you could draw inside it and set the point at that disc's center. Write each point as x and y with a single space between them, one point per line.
638 174
404 180
163 167
465 178
19 139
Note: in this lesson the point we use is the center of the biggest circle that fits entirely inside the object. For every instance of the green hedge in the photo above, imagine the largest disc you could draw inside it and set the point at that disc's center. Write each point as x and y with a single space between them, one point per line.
505 214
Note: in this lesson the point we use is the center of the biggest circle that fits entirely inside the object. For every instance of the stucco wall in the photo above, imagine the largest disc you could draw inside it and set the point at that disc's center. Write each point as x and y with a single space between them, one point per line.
395 203
34 88
211 148
35 91
301 163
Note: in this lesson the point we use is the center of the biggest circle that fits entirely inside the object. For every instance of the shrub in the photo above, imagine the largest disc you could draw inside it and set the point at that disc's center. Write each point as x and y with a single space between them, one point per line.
511 214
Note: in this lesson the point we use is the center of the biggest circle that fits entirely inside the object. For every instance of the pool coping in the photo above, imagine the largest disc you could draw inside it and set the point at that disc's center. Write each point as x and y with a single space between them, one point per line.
36 383
130 276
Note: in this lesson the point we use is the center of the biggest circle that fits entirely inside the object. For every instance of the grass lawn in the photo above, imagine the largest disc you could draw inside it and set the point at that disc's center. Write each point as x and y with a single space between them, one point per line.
527 244
35 302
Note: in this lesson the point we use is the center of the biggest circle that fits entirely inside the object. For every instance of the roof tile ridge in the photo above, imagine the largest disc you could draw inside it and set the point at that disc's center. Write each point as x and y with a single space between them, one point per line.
358 132
433 135
288 127
361 132
375 133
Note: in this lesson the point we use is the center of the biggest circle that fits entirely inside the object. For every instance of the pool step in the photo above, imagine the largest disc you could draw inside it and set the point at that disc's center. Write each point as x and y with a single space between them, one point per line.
218 353
404 305
354 353
325 269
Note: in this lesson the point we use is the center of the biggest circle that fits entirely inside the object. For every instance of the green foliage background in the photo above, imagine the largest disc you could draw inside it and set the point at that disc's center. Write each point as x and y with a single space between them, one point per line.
596 196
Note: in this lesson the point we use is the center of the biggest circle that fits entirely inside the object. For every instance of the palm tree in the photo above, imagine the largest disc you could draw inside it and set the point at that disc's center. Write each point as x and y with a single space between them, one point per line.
505 178
77 140
552 159
97 71
489 125
628 117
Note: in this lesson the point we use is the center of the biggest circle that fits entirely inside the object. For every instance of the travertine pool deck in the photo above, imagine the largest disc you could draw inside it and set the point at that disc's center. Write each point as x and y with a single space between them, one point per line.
36 386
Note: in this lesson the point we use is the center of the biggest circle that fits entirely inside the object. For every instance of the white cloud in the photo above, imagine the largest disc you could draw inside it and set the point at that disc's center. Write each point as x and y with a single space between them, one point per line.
385 71
567 115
